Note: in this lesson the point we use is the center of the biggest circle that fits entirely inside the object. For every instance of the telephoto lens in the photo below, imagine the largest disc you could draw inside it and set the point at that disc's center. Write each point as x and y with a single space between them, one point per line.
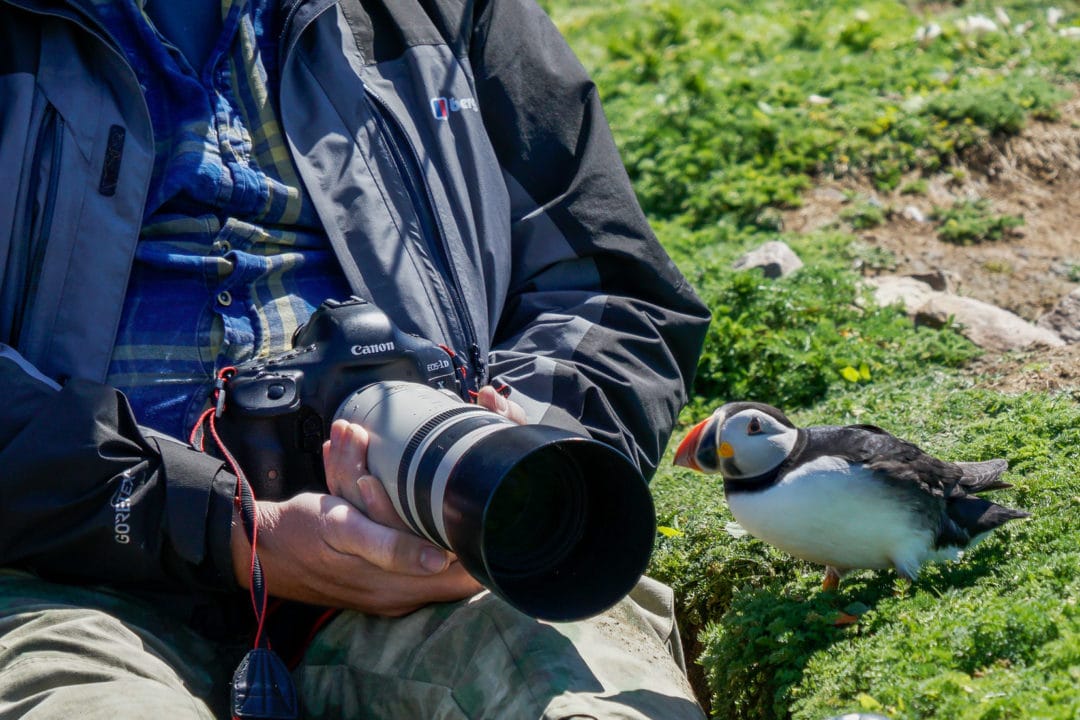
559 525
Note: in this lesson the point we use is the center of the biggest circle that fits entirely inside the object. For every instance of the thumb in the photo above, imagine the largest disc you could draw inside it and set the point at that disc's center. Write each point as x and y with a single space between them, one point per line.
490 398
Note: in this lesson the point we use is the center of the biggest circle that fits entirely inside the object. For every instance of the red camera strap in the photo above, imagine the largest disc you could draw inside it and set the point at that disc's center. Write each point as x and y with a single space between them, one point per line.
262 686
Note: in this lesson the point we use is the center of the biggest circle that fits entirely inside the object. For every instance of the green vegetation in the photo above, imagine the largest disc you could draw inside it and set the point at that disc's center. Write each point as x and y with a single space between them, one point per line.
725 113
915 187
864 214
971 221
788 341
722 108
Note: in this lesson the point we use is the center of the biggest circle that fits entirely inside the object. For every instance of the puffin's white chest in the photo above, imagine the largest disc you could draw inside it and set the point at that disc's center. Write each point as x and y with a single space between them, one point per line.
833 513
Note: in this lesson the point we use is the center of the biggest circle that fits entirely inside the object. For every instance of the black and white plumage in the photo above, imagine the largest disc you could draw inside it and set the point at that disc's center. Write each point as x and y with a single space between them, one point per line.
847 497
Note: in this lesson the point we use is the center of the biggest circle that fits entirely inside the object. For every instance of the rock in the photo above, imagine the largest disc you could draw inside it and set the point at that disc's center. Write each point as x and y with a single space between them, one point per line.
897 289
1064 318
913 214
942 280
775 258
829 194
1064 269
986 325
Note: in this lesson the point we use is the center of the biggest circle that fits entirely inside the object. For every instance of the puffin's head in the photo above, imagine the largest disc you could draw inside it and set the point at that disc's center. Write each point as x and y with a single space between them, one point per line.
739 440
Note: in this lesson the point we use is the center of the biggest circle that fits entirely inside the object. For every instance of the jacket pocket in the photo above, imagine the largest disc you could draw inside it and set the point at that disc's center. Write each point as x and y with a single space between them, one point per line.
29 248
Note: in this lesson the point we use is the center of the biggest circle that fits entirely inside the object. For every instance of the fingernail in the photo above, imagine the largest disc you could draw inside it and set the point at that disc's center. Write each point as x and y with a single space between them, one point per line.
501 403
367 493
433 560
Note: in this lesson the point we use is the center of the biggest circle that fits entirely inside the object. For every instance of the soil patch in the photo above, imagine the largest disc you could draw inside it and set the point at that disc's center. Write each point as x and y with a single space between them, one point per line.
1047 370
1036 176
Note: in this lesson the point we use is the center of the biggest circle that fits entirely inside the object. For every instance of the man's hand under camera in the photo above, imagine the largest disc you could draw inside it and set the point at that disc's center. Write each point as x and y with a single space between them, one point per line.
349 548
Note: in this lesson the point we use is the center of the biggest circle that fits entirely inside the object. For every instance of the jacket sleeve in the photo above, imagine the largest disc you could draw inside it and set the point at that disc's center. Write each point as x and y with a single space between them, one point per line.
89 496
600 332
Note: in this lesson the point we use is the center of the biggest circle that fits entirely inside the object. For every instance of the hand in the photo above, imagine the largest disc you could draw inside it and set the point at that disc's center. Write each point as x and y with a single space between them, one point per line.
350 549
320 549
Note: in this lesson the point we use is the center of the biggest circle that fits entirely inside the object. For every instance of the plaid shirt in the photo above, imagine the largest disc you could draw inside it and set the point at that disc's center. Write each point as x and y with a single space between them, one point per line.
231 257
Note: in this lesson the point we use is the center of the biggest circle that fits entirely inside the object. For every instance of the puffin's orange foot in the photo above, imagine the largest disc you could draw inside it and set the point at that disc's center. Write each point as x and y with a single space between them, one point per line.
832 579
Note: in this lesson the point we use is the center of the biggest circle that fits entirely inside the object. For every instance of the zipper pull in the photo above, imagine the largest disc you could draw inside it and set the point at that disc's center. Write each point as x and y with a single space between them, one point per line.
114 153
479 365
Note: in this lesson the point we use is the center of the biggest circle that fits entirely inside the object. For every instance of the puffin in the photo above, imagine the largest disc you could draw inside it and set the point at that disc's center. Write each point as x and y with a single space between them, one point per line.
846 497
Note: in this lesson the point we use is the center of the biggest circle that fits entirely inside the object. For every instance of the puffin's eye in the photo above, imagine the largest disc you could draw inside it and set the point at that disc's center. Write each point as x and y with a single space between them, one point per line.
754 427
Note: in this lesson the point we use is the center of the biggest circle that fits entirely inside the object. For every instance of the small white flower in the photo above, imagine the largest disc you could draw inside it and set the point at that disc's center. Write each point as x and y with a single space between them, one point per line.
862 16
913 104
818 100
1002 17
1070 32
927 33
1053 15
976 25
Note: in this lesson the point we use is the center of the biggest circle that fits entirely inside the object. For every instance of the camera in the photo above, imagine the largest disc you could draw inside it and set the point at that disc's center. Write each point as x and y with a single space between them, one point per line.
559 525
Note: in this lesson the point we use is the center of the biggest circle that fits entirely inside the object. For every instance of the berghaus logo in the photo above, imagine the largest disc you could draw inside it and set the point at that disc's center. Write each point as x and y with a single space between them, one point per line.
441 107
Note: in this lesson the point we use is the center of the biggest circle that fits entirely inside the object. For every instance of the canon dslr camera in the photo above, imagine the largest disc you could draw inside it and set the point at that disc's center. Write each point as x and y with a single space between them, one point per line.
559 525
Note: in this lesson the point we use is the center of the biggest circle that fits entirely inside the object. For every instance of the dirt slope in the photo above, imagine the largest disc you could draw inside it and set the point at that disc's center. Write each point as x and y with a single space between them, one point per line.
1035 175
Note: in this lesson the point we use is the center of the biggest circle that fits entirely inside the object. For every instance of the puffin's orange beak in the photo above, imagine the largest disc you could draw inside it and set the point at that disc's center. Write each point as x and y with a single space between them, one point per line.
684 454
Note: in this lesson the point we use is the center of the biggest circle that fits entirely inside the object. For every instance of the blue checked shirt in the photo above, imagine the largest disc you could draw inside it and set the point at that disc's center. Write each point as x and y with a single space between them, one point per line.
232 257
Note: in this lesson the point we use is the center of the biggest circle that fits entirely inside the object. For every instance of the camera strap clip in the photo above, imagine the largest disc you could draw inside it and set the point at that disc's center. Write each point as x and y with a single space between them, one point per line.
219 390
219 394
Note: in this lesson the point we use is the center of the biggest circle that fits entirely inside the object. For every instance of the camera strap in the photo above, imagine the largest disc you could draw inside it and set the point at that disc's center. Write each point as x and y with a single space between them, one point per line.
262 687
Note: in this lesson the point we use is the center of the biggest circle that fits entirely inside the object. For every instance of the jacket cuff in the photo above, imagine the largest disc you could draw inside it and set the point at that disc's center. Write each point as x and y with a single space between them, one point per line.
198 512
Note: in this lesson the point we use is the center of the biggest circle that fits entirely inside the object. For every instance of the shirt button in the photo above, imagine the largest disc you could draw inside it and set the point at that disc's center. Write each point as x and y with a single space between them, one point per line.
224 298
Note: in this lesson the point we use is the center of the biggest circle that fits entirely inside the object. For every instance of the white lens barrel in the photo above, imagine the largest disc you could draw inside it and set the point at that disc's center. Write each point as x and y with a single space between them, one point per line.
403 420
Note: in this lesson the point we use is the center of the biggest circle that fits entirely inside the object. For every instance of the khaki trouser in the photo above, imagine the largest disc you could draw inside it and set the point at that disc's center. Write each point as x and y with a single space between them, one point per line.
95 654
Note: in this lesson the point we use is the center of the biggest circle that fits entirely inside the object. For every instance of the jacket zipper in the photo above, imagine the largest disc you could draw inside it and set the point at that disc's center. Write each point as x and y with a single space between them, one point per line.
40 214
409 166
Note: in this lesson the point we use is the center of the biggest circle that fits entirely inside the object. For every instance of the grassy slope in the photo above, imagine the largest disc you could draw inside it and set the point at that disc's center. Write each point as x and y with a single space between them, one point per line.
710 102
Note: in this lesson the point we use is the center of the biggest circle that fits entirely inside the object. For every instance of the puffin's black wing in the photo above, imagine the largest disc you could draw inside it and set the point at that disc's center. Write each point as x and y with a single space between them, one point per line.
968 516
896 459
903 460
965 516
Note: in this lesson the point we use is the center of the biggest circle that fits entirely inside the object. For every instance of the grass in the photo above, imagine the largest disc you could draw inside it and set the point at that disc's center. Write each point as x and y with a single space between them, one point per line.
726 113
1005 616
723 108
969 222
